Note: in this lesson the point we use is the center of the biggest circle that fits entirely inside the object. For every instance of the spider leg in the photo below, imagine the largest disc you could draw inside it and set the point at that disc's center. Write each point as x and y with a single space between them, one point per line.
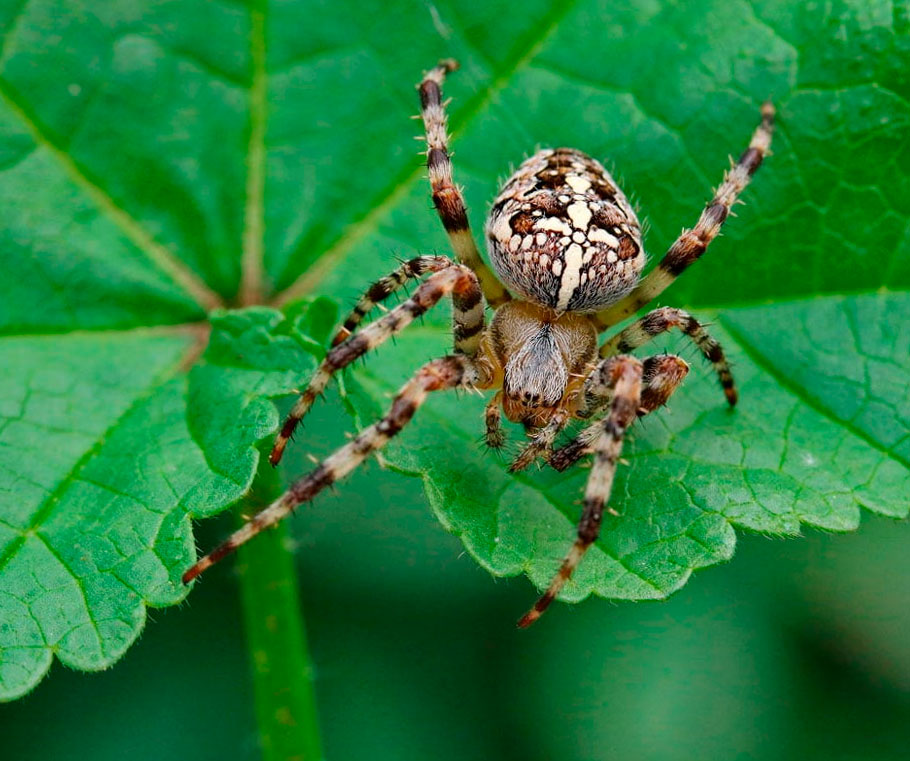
541 442
385 287
691 244
467 315
492 416
622 375
661 376
660 321
444 373
446 195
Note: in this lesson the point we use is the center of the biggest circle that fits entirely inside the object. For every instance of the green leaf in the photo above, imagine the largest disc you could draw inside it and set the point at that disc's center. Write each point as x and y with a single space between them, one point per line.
822 429
822 426
159 160
108 449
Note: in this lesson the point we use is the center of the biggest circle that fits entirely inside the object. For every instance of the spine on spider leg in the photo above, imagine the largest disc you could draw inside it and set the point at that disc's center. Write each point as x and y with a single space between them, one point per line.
453 277
325 474
567 455
494 436
447 372
542 443
691 244
468 317
385 287
447 198
623 375
664 319
661 376
316 386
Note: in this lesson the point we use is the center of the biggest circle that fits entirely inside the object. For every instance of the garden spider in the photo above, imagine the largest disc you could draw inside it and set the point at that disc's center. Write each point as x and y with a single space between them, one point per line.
563 237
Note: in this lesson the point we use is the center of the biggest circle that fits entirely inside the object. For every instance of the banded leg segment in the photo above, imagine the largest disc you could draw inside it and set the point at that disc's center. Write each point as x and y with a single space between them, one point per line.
661 376
691 244
621 377
468 316
492 416
447 198
664 319
541 442
445 373
385 287
455 279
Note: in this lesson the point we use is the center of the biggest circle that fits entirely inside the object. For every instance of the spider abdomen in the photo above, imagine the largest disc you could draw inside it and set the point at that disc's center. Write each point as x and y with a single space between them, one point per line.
563 235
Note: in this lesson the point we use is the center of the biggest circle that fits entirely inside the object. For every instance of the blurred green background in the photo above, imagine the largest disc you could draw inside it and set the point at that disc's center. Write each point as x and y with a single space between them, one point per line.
796 650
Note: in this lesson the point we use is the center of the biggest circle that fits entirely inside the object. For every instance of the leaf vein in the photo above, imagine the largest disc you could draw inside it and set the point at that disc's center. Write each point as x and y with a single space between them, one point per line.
252 286
156 252
49 504
368 223
756 356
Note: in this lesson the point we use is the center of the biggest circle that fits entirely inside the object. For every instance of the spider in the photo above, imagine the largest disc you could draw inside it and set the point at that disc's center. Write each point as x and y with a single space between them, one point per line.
566 246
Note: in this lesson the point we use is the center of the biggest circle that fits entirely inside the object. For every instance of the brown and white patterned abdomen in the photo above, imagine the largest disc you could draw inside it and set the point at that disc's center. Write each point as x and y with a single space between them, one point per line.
563 235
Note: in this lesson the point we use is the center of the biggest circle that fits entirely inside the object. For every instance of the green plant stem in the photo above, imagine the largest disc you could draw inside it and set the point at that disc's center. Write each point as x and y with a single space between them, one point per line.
284 697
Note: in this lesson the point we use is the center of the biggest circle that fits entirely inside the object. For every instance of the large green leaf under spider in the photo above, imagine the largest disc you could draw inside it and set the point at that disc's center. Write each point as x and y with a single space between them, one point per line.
157 155
821 431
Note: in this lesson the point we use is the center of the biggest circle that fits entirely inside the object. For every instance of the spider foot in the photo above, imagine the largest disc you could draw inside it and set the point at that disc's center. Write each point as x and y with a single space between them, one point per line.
568 455
530 453
495 440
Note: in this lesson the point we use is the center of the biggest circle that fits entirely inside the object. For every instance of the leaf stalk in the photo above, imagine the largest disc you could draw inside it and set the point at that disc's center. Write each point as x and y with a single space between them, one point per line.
284 695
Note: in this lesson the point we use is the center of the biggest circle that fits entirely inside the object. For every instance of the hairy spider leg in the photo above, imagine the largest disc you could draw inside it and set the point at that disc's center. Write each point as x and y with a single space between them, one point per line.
385 287
661 376
492 417
541 441
691 244
622 377
467 315
660 321
445 373
447 197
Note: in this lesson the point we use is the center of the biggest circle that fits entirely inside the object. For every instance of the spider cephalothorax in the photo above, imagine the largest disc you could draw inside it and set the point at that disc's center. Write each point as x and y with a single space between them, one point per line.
563 237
